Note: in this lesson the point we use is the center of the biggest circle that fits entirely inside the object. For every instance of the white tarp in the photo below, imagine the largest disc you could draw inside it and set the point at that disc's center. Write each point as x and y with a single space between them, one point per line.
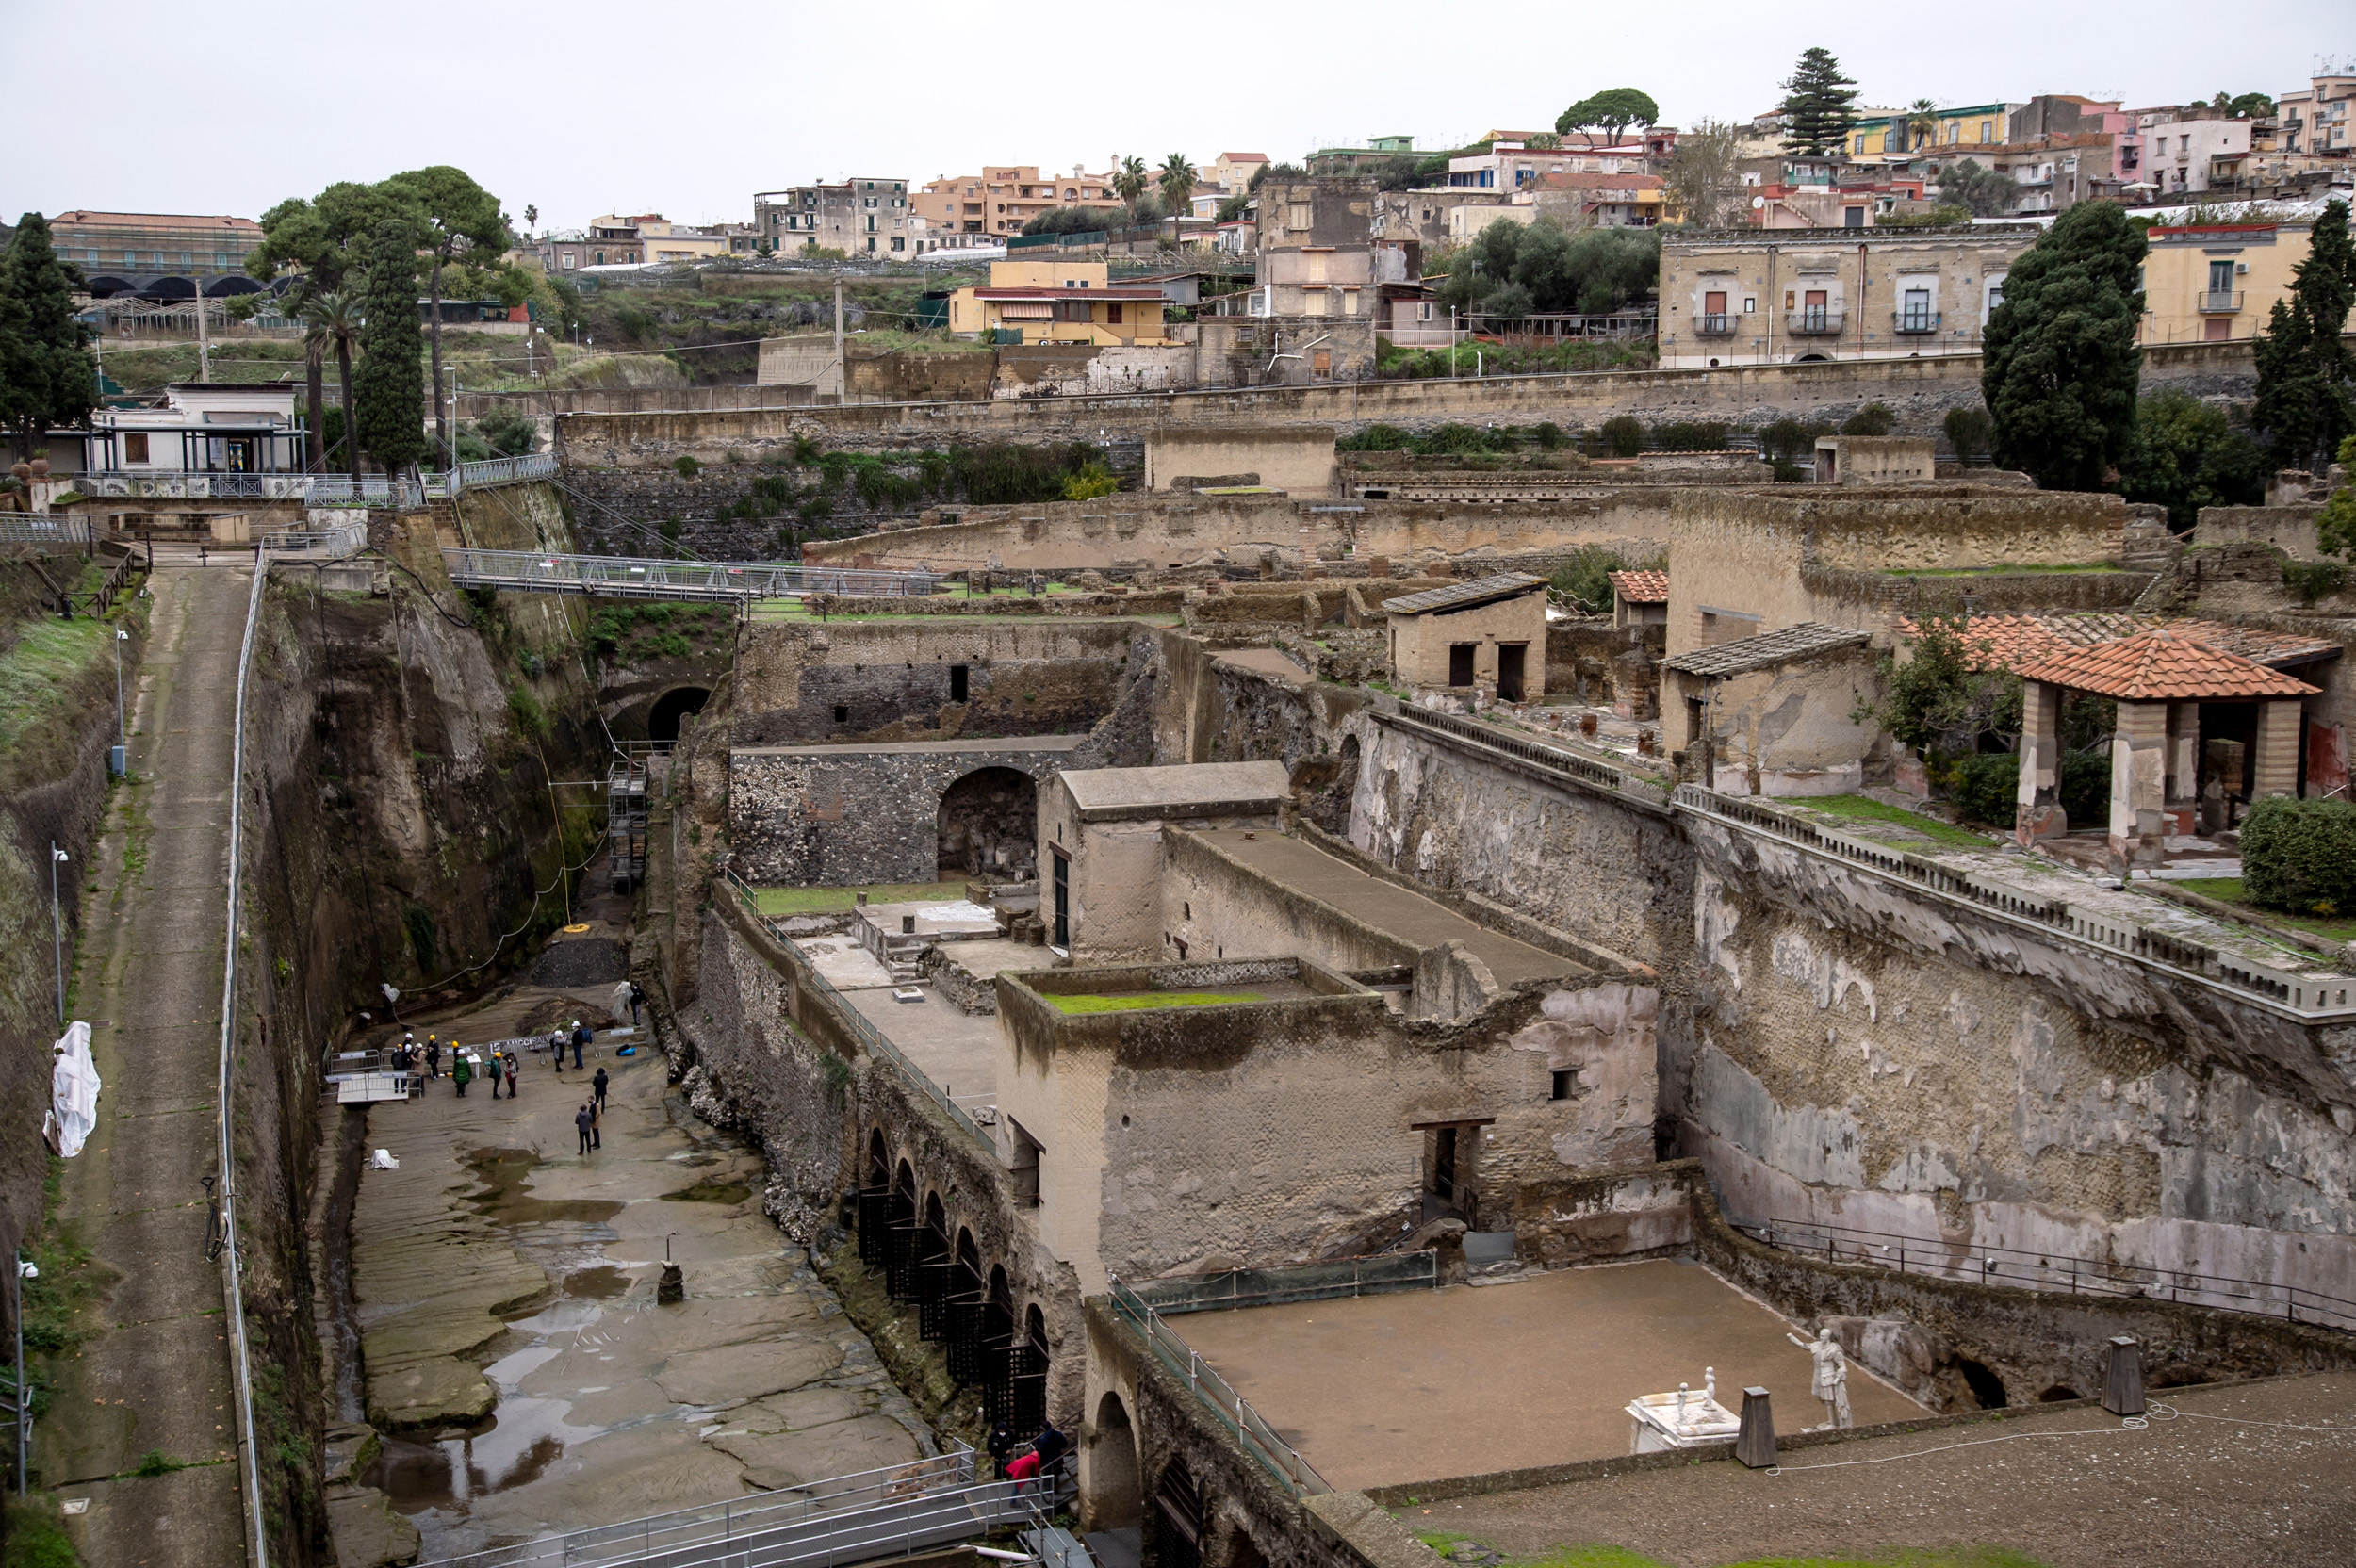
72 1093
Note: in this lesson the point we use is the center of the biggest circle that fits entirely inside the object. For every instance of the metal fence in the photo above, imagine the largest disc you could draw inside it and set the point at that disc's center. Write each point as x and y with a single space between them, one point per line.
1309 1282
805 976
491 471
1258 1439
324 544
1602 776
871 1514
343 490
2024 1269
638 577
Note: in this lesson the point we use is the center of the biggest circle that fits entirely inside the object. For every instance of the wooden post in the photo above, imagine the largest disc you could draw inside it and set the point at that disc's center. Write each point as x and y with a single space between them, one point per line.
1755 1445
2122 1391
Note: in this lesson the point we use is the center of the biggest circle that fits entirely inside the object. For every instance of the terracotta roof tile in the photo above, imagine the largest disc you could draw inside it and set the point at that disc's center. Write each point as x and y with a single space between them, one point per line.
2013 641
1650 587
2163 666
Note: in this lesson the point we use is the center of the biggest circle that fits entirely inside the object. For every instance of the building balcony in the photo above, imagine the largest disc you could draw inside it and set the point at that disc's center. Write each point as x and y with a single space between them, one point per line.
1815 321
1914 322
2220 301
1719 326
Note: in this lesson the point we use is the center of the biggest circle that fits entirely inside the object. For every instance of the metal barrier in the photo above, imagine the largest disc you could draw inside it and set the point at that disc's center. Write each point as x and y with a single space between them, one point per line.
647 578
496 470
1276 1456
1374 1275
2054 1271
405 495
1602 776
327 544
805 976
887 1512
2297 987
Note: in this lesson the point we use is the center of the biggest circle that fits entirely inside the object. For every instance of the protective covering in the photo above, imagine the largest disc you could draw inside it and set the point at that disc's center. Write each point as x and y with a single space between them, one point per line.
72 1093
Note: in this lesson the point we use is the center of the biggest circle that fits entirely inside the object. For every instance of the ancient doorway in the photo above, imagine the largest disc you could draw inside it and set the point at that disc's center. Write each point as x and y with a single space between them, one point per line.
1113 1496
1177 1518
988 824
662 722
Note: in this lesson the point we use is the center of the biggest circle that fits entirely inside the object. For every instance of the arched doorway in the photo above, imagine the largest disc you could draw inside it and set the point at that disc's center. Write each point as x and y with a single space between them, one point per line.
998 1346
965 1310
901 1228
1177 1523
874 1204
935 1272
989 822
1112 1491
1030 1372
662 722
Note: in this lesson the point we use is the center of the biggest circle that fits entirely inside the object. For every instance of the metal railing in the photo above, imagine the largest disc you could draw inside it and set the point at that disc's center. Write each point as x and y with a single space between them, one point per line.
325 544
1374 1275
1815 321
342 490
2301 991
650 577
805 976
1602 776
1914 322
889 1513
491 471
2024 1269
257 1539
1713 324
2220 301
1258 1439
50 530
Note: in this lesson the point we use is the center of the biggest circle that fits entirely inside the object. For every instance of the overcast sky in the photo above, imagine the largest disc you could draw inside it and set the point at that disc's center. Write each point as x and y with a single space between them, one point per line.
592 106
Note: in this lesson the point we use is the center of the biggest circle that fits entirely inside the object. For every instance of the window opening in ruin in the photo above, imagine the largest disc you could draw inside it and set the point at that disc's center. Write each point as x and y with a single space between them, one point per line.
1460 663
956 683
1510 658
1443 1164
1986 1386
1063 899
1177 1519
841 714
1023 1166
1565 1083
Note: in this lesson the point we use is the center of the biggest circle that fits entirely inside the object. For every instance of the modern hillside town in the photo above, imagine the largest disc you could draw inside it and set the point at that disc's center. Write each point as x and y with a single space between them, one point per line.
1753 667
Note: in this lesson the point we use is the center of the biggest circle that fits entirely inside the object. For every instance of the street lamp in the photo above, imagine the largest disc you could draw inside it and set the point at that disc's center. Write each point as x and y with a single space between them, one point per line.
57 924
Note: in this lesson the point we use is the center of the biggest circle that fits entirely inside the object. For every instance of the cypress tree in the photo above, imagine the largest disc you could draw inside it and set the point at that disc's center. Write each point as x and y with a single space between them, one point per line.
2303 364
2061 363
389 386
47 376
1817 105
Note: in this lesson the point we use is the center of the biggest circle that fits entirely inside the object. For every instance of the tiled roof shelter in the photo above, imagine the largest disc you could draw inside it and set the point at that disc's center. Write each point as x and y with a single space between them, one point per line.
1650 587
2015 641
2165 682
2164 666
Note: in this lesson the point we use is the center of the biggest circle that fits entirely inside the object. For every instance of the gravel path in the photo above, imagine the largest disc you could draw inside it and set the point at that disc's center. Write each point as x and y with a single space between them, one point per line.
2203 1487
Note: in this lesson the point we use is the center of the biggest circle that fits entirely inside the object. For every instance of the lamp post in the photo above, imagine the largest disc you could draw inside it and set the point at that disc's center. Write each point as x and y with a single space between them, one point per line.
57 924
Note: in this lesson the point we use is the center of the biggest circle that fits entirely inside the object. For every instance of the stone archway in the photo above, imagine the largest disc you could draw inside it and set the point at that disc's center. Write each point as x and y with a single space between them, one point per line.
989 823
663 720
1112 1487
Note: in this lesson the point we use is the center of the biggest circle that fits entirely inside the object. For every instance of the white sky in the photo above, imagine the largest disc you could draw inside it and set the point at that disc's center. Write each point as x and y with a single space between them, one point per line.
593 106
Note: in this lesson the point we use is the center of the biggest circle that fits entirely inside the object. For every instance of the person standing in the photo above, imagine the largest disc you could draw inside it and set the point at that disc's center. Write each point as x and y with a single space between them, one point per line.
461 1071
580 1037
498 1070
597 1121
601 1081
581 1122
432 1056
515 1075
556 1046
637 1000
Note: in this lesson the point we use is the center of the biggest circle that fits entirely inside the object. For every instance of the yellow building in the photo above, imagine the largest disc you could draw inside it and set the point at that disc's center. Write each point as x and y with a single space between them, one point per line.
1888 133
667 241
1060 302
2216 283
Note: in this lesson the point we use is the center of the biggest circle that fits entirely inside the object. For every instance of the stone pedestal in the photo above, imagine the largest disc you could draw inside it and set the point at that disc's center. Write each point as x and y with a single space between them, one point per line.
2122 1388
1754 1445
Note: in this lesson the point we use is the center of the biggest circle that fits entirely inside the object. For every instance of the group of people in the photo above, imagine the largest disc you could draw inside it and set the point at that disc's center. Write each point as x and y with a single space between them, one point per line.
1019 1462
499 1066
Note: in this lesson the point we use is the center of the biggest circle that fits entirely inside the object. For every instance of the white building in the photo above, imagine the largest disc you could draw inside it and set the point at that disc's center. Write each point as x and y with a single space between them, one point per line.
201 427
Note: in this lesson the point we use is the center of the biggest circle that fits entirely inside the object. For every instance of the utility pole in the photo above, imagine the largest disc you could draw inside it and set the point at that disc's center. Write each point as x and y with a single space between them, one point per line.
841 371
123 740
203 338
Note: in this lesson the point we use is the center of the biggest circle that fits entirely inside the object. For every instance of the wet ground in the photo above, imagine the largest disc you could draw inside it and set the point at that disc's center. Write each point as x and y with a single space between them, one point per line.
517 1363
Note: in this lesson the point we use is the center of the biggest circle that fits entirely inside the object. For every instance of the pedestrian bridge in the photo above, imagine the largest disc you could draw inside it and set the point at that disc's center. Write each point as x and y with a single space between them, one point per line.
648 578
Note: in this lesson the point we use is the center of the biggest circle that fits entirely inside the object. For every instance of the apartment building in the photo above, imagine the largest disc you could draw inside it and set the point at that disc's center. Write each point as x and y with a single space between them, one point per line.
1232 172
608 241
989 207
1510 166
1318 255
128 252
1751 298
1061 302
2191 150
2218 282
664 240
865 217
1886 134
2314 120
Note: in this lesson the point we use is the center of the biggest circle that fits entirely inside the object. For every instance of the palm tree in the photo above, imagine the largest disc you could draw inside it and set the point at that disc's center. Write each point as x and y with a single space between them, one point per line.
1922 124
332 315
1131 180
1176 179
314 379
531 223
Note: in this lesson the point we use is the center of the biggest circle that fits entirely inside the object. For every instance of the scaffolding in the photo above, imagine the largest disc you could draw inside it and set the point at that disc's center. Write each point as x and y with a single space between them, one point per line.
626 821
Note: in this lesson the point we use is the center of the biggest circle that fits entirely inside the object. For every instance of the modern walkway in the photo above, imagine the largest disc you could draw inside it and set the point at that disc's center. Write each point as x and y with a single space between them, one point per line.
155 1374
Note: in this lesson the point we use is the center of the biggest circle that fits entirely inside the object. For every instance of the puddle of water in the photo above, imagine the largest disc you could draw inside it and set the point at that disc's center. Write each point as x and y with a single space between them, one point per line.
712 1189
509 1371
599 1282
505 1171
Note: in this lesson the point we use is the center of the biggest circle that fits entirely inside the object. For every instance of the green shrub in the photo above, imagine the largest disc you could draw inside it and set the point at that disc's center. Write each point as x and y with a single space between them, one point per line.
1988 787
1548 435
2301 855
1622 435
1969 431
1703 437
2086 788
32 1533
1873 419
687 466
1584 577
1090 480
